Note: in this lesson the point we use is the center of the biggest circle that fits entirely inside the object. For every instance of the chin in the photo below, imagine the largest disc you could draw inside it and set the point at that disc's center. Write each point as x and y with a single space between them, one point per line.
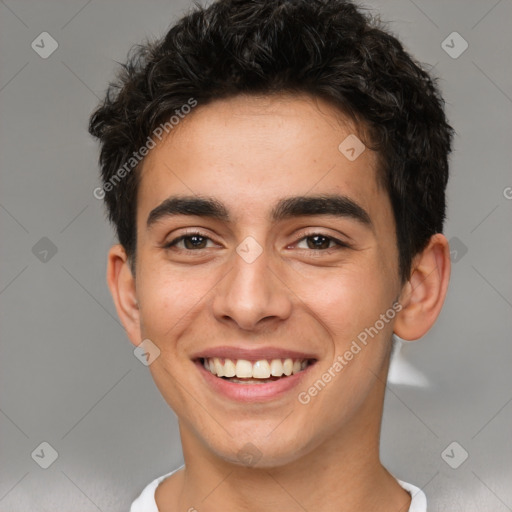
259 451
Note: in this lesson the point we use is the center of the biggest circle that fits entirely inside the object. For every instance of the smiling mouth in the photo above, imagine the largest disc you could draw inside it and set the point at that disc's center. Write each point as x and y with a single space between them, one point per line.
242 371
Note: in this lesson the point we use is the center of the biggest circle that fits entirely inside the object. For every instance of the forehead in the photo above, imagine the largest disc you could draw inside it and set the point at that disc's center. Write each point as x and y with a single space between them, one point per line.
248 152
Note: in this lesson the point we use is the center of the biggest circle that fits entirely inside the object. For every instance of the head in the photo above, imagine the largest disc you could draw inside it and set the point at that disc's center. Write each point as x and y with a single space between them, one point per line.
304 154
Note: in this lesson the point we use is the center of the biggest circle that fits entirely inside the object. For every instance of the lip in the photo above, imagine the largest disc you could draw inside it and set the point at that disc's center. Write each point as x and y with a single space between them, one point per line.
253 355
252 392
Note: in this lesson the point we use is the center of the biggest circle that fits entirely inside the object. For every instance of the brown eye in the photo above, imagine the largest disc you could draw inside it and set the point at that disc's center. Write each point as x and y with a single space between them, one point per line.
318 242
194 242
191 242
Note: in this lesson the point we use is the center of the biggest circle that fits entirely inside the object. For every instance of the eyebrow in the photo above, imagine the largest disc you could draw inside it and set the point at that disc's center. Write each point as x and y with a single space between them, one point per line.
298 206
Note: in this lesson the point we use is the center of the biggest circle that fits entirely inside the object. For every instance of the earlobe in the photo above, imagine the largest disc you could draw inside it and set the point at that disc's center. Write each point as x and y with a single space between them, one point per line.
423 295
121 283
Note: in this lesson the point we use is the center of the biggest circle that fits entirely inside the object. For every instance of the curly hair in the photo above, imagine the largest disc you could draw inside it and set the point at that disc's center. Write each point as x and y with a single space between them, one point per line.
326 48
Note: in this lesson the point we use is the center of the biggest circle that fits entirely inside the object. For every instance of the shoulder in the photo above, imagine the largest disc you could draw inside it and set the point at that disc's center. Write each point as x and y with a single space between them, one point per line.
418 498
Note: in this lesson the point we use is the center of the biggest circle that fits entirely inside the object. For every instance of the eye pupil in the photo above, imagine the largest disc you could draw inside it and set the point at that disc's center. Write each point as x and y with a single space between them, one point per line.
194 242
319 242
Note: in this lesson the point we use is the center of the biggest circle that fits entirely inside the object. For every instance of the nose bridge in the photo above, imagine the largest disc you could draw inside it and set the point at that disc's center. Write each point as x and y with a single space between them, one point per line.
251 291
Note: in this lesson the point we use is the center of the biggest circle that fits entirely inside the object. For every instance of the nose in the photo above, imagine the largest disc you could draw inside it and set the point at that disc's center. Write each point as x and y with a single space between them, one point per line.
252 294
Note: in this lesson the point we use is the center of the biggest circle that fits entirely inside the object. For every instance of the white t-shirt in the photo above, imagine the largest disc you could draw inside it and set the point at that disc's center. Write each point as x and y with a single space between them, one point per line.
146 500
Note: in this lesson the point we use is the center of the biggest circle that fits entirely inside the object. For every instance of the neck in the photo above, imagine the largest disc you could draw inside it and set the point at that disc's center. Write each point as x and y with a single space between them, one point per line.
344 473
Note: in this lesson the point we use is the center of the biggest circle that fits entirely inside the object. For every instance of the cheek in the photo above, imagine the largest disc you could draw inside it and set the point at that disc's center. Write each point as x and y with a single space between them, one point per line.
168 299
348 300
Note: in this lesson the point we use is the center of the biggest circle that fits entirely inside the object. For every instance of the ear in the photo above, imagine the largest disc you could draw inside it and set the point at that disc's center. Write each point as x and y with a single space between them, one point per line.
423 295
121 283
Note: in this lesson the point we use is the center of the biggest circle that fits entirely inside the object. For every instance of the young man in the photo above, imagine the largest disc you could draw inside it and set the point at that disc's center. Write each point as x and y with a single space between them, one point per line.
275 170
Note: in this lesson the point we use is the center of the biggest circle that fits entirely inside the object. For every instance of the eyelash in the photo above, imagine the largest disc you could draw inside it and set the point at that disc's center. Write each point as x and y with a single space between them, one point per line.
339 243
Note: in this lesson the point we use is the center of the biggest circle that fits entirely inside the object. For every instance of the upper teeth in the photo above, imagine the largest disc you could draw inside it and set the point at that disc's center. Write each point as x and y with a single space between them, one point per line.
262 369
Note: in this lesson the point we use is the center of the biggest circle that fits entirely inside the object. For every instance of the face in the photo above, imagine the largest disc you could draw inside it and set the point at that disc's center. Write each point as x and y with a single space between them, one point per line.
259 241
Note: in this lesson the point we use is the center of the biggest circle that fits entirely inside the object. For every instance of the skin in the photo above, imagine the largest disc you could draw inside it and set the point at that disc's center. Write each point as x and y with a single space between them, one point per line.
249 152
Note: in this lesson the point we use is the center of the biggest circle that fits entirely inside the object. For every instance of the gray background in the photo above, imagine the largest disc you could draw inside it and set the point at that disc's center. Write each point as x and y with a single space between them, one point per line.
68 375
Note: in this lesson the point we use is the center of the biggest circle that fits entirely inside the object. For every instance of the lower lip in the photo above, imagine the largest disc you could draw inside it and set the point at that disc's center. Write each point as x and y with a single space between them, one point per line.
253 392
